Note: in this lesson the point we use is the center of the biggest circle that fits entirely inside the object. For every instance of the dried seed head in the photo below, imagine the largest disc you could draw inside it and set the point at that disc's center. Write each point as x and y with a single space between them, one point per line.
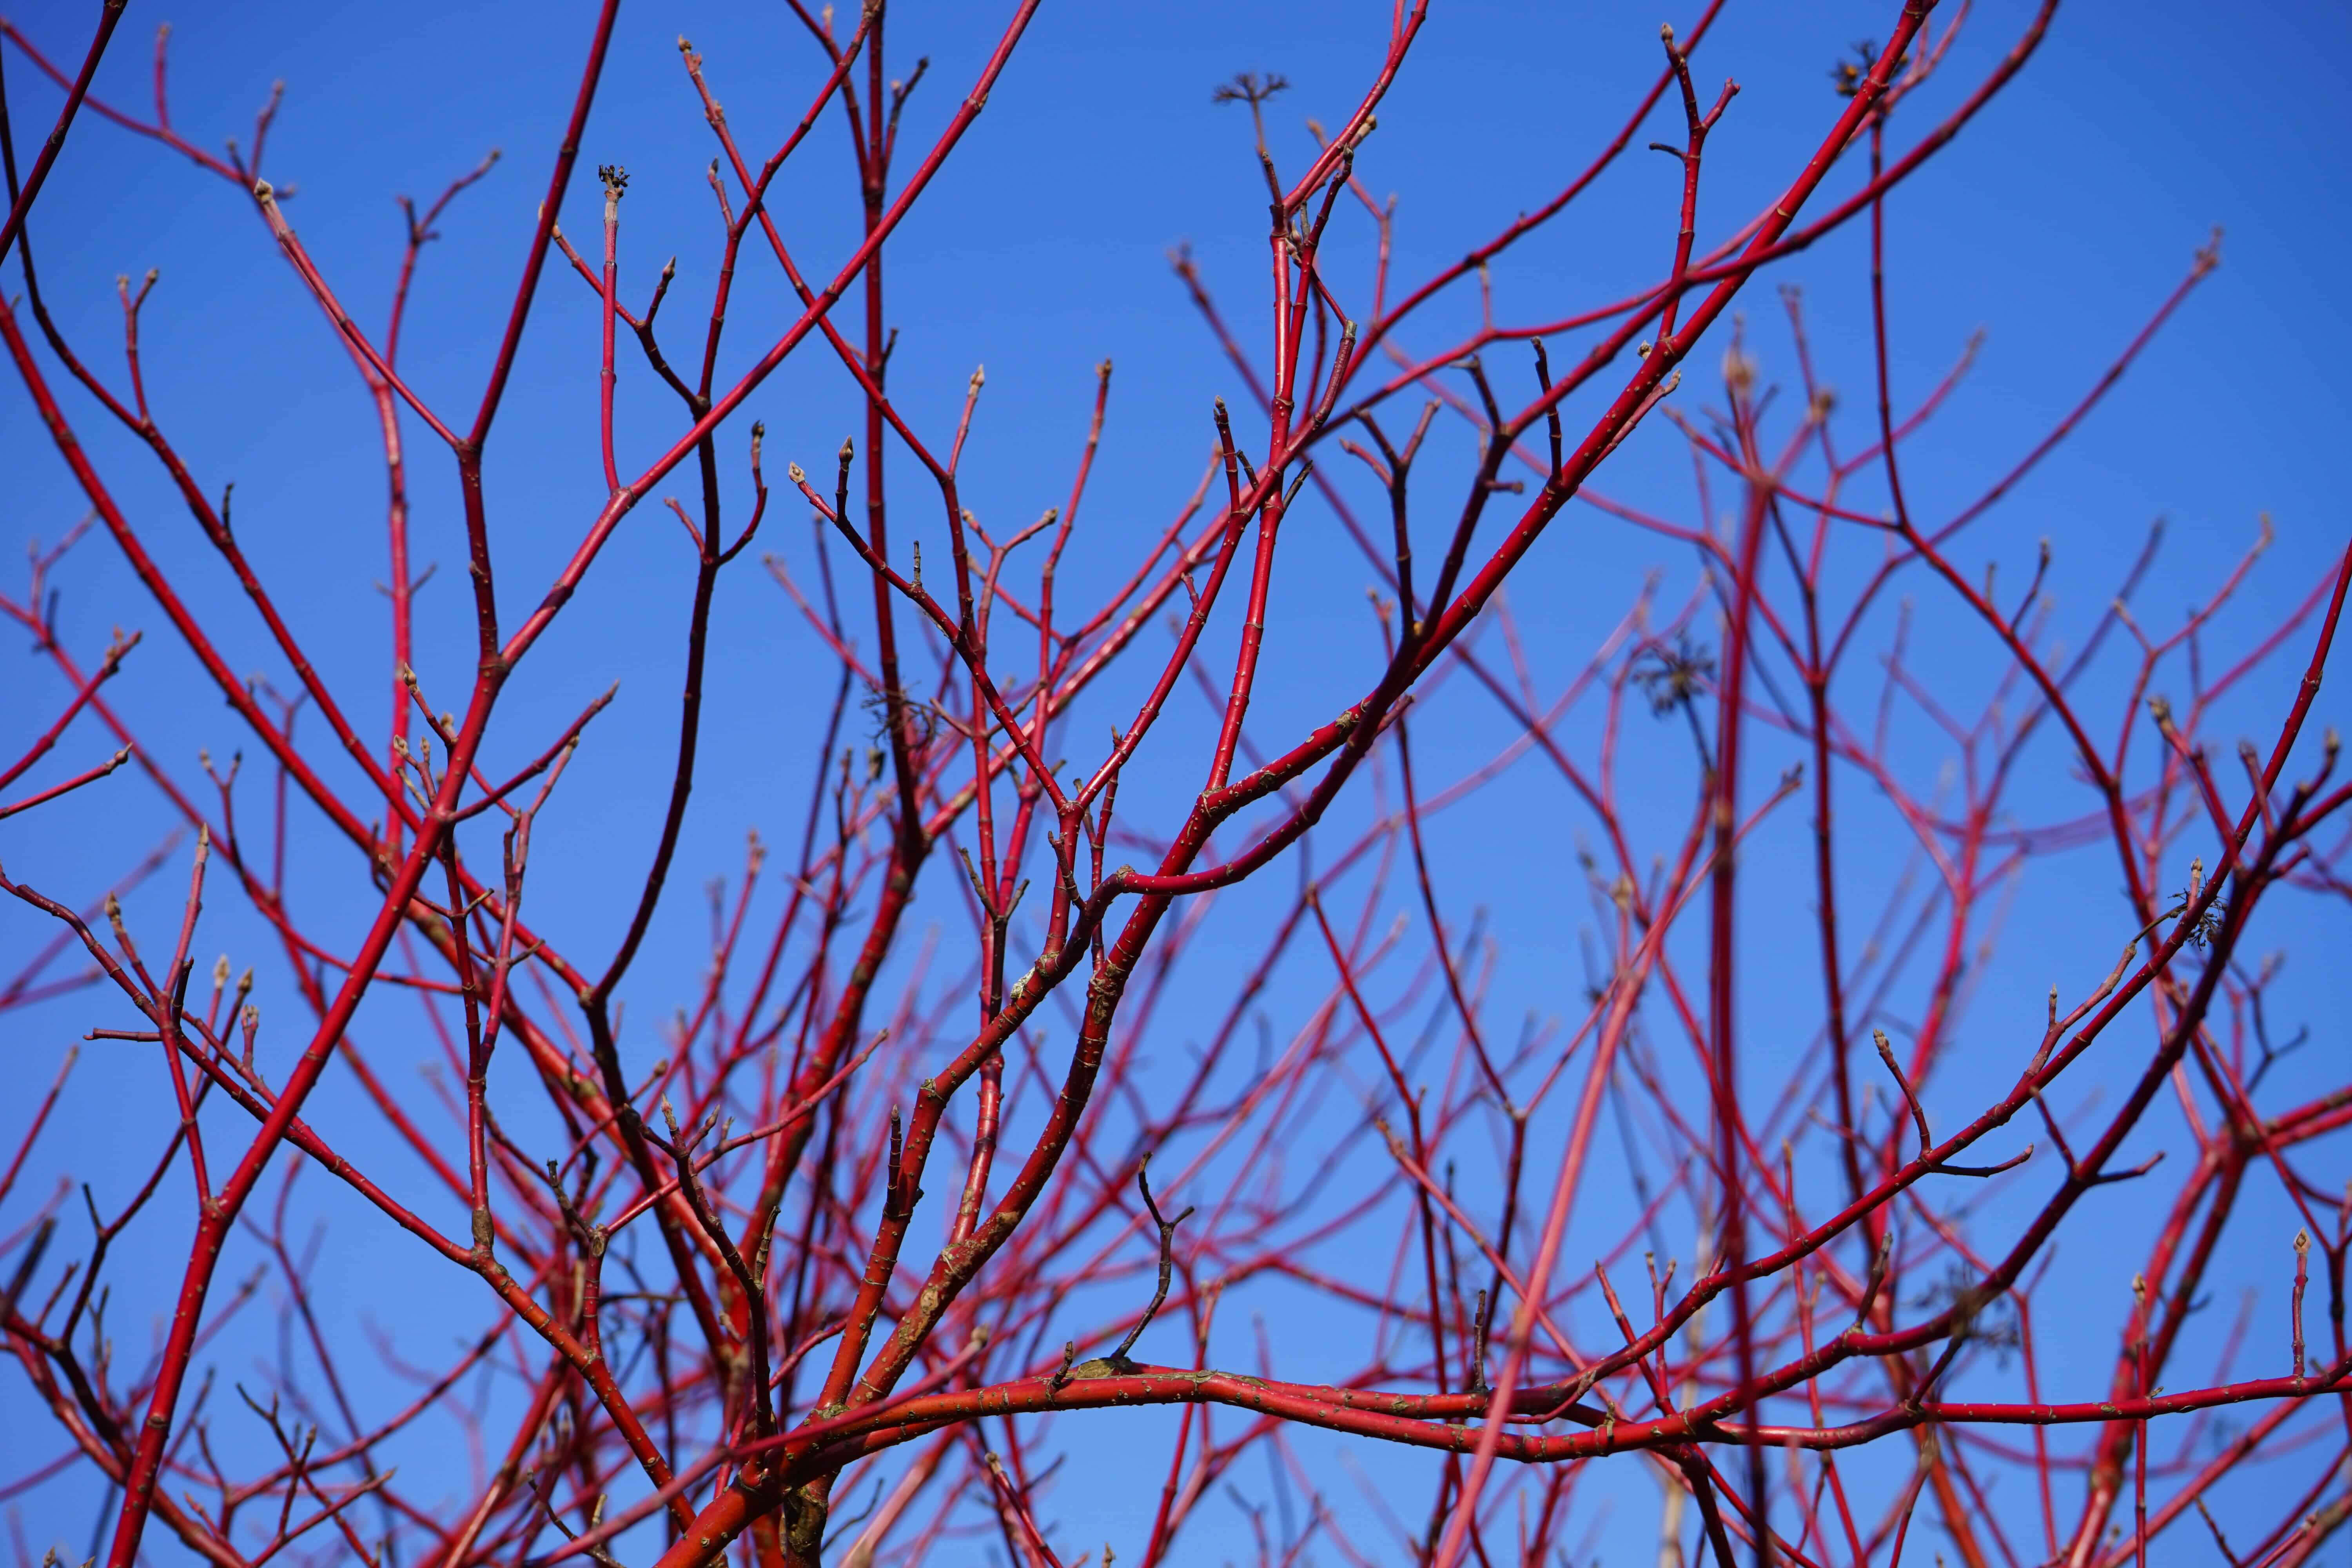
1738 371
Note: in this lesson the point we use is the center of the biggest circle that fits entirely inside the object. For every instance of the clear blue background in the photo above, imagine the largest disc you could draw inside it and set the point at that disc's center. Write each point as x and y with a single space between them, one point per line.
2057 222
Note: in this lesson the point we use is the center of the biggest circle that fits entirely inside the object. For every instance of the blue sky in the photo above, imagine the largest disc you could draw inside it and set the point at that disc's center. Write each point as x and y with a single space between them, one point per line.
2056 224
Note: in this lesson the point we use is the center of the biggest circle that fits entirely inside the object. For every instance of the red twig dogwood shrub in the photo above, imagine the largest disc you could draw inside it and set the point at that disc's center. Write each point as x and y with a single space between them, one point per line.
897 1223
